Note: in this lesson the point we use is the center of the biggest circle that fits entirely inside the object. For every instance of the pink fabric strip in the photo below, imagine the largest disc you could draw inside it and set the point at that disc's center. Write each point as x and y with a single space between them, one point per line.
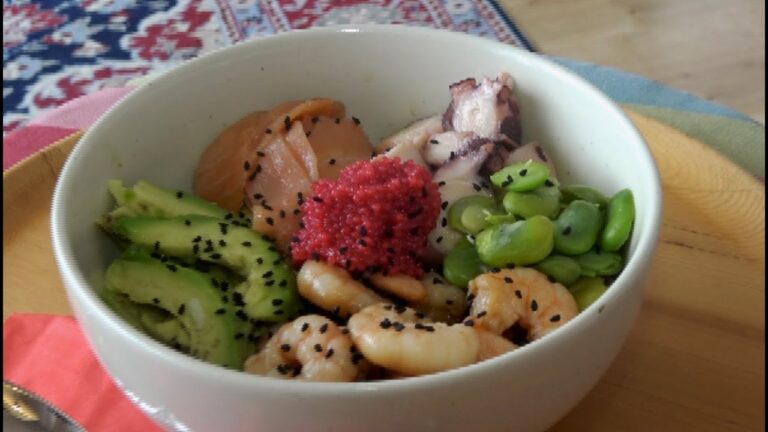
75 115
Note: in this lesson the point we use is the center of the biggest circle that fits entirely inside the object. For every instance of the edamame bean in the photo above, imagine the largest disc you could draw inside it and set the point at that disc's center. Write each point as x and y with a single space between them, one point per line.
562 268
544 200
587 290
619 221
597 263
462 264
522 243
500 218
522 176
468 214
577 228
586 193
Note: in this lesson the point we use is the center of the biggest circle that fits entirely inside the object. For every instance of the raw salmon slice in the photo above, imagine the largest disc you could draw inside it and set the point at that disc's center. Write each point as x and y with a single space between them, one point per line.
275 193
301 149
226 164
338 142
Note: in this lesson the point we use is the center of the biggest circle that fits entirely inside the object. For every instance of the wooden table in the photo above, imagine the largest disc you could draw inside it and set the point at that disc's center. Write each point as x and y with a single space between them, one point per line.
695 358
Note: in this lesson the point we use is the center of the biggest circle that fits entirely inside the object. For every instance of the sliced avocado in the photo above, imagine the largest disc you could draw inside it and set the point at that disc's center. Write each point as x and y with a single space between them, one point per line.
147 199
187 295
269 290
163 326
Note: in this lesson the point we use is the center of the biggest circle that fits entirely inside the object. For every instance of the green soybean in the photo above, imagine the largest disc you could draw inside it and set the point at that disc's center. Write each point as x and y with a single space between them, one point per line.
587 290
544 200
577 227
562 268
522 243
522 176
496 219
619 221
468 214
581 192
462 264
599 263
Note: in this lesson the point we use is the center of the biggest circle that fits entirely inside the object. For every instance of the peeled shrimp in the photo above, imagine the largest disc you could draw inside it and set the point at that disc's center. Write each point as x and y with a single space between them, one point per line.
524 296
403 286
310 348
399 339
333 289
443 302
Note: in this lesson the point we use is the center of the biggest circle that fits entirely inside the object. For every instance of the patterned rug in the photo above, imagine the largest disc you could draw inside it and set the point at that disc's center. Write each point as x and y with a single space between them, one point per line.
57 50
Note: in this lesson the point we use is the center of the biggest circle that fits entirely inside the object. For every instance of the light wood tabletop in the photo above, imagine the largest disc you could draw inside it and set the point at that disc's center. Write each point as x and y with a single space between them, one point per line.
714 49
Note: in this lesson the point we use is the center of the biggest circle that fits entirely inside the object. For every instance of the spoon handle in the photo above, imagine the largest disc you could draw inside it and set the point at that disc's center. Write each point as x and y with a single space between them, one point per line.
29 407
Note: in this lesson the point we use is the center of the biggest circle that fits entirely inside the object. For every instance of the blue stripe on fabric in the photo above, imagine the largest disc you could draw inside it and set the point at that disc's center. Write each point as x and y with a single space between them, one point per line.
625 87
524 42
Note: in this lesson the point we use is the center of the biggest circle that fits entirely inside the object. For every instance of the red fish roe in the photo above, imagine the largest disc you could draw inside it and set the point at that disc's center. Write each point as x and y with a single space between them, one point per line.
374 217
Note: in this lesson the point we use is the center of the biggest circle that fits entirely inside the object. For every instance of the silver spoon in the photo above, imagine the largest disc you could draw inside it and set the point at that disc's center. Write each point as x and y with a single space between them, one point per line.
32 409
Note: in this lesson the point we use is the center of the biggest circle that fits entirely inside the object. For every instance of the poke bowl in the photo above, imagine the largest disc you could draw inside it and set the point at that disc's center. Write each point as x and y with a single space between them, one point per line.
348 229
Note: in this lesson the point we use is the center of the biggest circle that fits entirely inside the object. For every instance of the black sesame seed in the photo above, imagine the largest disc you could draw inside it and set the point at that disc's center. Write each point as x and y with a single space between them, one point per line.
222 243
278 312
507 279
179 194
356 120
470 298
246 244
434 141
305 327
345 331
258 196
267 275
283 283
523 172
220 311
414 214
482 314
510 266
444 222
318 348
548 183
260 154
237 299
518 294
444 205
285 347
332 162
555 318
388 307
362 243
534 305
439 239
156 300
277 302
551 279
296 211
469 323
287 122
495 270
260 260
385 323
449 302
181 309
187 222
398 326
329 353
242 315
317 199
441 183
171 267
363 231
342 250
420 315
315 119
477 187
324 328
239 336
452 156
337 121
335 311
216 256
314 256
246 165
567 230
267 131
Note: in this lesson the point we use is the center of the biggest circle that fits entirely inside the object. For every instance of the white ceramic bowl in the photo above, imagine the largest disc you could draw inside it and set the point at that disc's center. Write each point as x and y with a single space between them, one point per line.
387 76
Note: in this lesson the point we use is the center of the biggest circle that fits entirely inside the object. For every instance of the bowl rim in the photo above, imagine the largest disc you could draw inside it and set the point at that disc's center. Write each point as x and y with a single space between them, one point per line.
77 285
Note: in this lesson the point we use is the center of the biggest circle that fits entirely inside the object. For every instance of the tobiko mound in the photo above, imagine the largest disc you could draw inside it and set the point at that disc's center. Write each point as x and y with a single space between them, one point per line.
306 256
375 217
